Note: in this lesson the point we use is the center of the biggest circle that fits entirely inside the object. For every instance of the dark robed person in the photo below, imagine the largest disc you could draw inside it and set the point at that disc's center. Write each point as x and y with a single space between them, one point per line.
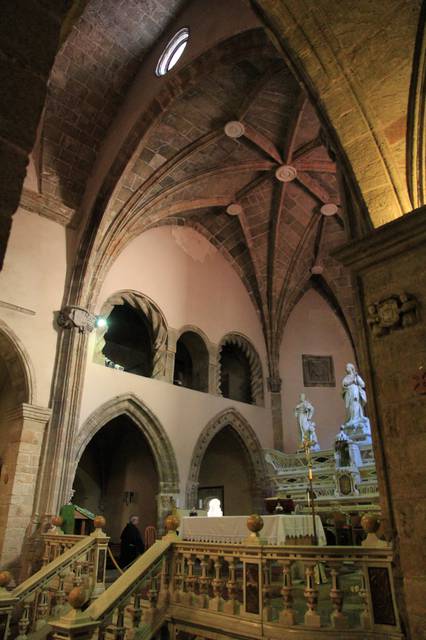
132 544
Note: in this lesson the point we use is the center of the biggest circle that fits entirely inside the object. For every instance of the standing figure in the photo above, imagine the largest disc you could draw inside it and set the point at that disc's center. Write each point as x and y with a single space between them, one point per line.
355 397
132 544
304 412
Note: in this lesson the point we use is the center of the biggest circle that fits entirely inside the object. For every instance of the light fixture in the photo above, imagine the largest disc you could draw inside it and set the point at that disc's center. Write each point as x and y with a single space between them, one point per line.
101 322
172 52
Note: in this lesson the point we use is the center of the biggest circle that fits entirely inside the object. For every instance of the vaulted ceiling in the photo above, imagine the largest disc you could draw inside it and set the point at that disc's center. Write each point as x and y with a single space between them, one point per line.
228 137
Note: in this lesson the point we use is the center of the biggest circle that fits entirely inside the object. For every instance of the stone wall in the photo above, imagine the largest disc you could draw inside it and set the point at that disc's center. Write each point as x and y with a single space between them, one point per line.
391 262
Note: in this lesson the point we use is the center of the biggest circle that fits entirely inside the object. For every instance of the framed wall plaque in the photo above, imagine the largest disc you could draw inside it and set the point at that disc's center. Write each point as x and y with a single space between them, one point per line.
318 371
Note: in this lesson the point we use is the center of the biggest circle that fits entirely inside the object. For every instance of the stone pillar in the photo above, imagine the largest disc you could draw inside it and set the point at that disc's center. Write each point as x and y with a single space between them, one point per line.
390 269
25 427
274 386
214 369
170 354
76 323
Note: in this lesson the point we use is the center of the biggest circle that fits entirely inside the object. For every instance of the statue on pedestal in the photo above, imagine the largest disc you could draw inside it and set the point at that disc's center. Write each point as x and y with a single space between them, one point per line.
304 412
348 460
357 425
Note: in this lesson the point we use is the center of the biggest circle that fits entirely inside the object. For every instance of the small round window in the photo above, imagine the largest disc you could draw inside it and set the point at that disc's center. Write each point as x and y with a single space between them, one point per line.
172 52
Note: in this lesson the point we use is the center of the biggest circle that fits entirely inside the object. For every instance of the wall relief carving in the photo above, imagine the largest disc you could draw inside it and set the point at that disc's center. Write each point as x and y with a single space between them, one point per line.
73 317
398 311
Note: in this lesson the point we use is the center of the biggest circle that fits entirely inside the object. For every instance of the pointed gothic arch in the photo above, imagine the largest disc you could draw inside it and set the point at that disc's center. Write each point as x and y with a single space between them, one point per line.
155 434
249 443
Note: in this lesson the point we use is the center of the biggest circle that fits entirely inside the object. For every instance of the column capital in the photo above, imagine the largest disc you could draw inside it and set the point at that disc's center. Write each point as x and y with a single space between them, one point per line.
274 384
74 317
32 412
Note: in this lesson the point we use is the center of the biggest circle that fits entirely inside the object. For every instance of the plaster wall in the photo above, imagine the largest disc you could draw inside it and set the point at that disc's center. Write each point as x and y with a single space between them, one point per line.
313 329
33 278
193 284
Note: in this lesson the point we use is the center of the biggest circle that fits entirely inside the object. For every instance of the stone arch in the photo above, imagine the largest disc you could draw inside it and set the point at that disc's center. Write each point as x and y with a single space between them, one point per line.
256 373
18 365
202 354
141 303
249 442
155 434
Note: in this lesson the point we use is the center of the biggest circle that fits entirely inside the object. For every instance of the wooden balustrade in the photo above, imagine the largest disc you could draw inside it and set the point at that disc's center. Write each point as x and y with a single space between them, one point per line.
68 561
263 589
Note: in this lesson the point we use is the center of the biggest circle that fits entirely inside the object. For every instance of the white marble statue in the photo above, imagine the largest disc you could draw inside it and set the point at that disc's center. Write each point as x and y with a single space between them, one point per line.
353 390
304 412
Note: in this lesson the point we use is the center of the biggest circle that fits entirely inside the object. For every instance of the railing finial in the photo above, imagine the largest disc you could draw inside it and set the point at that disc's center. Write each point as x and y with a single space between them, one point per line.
171 523
254 525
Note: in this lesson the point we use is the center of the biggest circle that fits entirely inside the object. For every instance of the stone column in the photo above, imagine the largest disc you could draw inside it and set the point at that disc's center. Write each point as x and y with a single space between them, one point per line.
75 324
274 386
390 269
213 369
25 427
170 355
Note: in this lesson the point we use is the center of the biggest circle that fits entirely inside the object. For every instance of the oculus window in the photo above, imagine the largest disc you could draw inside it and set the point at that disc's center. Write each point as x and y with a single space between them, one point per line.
172 53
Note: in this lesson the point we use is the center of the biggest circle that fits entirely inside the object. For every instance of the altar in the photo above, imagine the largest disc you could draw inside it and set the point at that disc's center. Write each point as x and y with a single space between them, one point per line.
277 529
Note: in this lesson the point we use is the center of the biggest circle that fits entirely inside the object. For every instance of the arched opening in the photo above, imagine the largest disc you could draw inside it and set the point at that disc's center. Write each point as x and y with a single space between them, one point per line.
117 476
227 463
16 392
225 474
191 362
235 374
128 341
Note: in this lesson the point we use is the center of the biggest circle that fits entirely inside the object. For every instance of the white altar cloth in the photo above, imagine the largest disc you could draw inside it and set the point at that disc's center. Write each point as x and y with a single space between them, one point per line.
233 529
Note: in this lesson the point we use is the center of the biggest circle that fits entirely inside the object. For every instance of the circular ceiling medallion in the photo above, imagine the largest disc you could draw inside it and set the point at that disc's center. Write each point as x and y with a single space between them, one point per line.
329 209
285 173
234 129
234 209
317 269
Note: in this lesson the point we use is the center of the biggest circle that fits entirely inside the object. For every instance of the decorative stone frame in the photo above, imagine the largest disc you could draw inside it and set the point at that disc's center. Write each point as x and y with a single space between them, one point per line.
155 317
256 373
249 443
165 461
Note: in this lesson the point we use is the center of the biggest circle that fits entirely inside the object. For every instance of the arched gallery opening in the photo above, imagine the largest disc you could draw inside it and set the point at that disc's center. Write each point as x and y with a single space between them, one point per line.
128 340
225 474
191 362
235 374
117 476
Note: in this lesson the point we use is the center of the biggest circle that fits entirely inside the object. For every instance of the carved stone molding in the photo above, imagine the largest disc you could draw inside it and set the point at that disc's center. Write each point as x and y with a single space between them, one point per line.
73 317
47 207
398 311
249 442
250 352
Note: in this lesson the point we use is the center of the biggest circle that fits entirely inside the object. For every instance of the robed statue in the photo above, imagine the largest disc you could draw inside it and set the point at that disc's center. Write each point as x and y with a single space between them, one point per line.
355 398
304 412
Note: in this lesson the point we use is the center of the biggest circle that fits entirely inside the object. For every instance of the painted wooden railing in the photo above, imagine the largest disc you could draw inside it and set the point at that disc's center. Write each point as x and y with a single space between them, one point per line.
68 562
258 590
